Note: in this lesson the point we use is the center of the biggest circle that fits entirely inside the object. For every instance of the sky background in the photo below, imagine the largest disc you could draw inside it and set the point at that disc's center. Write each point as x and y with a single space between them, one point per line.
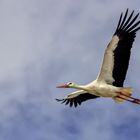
44 43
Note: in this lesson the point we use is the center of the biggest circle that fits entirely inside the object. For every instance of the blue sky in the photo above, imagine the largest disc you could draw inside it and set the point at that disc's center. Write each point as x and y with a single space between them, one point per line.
47 42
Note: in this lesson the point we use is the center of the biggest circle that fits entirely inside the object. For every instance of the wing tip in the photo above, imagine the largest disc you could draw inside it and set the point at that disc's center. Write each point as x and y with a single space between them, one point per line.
68 101
127 23
59 100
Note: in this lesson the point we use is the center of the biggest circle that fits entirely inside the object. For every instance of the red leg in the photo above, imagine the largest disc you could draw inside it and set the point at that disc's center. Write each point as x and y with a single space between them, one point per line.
135 100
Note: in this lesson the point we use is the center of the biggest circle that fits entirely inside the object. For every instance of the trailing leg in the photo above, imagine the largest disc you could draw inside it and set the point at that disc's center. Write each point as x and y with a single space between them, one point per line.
135 100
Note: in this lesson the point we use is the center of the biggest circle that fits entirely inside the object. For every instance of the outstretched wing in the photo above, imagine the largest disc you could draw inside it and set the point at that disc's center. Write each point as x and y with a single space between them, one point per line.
117 53
77 98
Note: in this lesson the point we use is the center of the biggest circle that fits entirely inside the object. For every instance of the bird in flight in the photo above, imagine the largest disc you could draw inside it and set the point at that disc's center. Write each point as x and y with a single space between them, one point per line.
109 82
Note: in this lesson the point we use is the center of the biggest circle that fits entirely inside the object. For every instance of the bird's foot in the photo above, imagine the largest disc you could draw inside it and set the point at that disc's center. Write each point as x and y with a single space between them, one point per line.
136 101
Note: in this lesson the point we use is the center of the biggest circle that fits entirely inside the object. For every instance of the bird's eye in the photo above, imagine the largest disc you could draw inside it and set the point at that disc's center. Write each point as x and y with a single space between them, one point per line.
70 83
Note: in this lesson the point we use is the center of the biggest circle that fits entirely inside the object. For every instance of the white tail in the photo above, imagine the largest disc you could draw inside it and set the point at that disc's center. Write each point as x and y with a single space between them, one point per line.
125 91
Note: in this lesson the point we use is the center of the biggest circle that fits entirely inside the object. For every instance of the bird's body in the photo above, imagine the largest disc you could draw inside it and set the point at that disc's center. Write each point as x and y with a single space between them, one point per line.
109 82
101 89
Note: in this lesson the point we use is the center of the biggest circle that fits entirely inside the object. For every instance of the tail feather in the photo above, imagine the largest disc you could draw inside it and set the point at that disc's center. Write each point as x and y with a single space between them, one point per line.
126 91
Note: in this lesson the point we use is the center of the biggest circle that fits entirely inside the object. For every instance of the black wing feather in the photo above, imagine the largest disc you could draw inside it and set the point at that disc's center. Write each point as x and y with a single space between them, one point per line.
123 21
128 20
132 21
78 99
126 33
119 22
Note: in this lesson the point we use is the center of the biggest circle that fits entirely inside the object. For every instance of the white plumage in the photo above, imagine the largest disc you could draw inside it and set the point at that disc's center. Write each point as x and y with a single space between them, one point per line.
108 62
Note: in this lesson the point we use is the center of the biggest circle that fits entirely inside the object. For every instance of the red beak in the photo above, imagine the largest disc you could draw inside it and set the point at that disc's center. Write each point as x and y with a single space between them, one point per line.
63 86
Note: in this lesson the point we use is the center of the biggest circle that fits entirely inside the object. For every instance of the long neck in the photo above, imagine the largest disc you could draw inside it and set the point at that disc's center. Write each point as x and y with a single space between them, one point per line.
82 87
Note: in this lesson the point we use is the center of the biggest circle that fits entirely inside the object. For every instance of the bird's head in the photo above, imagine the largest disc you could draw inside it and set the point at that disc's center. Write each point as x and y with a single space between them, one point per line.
68 85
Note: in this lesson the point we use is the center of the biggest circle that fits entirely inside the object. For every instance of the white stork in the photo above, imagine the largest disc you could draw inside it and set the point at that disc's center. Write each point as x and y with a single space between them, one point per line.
109 82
